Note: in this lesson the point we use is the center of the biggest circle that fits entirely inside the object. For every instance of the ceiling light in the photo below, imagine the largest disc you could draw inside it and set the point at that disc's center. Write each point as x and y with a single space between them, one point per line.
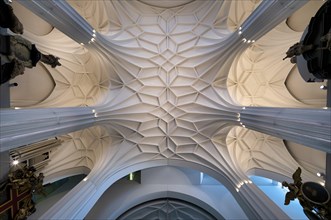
323 87
85 179
240 32
15 162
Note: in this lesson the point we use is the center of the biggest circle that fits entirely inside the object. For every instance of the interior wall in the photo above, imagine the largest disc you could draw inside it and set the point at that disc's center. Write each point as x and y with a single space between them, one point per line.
298 20
307 93
34 86
166 182
55 196
309 158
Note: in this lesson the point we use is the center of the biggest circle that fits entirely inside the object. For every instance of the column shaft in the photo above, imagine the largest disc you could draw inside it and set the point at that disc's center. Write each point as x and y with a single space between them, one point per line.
62 16
310 127
268 15
24 126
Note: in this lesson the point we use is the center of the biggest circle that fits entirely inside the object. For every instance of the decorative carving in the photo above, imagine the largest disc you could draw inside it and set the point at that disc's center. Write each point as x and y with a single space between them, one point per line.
8 18
22 182
326 38
307 194
298 49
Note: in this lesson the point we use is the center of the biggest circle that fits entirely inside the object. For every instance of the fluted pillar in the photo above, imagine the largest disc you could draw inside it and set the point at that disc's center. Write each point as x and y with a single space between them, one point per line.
23 126
62 16
310 127
268 14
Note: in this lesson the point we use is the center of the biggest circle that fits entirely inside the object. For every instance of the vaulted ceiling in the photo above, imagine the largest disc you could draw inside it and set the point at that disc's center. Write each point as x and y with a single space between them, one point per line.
168 60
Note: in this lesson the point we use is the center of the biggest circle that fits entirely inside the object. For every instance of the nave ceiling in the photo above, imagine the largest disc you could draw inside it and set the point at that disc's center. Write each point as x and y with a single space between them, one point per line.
166 82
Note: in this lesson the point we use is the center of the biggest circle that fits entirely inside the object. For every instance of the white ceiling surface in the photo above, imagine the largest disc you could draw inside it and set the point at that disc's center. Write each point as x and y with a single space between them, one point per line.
165 87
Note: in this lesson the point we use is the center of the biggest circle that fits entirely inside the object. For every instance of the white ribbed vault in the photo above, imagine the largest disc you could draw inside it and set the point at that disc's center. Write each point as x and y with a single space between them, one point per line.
166 84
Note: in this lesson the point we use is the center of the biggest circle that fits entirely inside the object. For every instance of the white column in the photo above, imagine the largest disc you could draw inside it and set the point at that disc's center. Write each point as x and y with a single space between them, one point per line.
23 126
268 15
62 16
310 127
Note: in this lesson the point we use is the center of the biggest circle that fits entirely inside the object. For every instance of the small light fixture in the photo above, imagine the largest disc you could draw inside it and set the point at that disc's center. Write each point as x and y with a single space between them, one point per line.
240 28
322 175
131 176
85 179
237 189
248 41
244 39
323 87
82 44
240 32
15 162
93 31
17 108
94 35
250 181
